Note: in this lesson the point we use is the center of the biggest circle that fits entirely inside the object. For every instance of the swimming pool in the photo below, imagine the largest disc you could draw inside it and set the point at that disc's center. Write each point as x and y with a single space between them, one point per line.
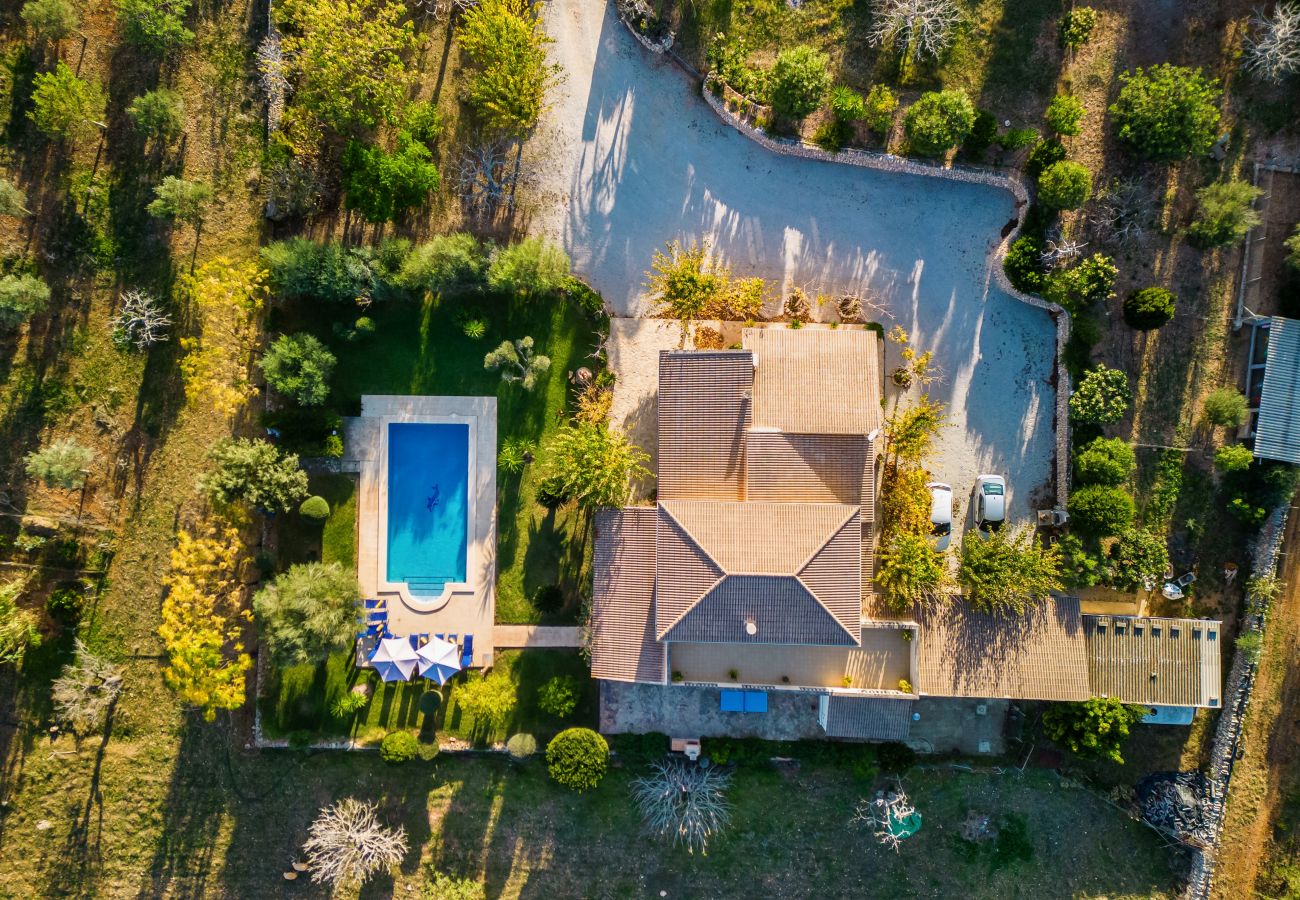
427 505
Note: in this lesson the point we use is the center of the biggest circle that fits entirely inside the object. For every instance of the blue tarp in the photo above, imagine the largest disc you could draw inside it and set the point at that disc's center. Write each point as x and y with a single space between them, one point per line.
733 701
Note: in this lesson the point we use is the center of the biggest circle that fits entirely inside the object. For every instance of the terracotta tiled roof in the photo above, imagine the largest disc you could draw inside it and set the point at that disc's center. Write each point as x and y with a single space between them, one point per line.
1168 662
703 408
811 468
781 609
684 572
815 381
623 645
868 718
1039 656
759 538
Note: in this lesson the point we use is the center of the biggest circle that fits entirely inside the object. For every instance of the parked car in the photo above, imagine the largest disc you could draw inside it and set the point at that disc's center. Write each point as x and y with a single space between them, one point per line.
940 514
990 502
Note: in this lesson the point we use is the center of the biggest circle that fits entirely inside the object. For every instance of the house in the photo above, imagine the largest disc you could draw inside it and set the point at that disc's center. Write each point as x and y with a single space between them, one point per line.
752 572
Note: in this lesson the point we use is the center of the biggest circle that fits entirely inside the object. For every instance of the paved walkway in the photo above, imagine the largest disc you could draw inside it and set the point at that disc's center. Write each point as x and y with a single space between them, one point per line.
535 636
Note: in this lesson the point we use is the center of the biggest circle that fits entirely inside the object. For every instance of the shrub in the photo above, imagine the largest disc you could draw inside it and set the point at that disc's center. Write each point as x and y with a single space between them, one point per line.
308 612
982 134
1105 461
348 705
64 605
515 454
60 464
52 20
256 473
315 507
1149 308
1064 114
154 25
447 261
1018 139
1292 245
1044 155
1225 407
1065 185
559 696
847 105
505 46
1080 567
1233 458
1076 27
184 201
422 121
881 105
1007 571
1095 728
592 463
532 266
1075 289
1167 112
549 598
299 366
384 185
13 200
833 135
158 114
521 746
21 297
1225 212
1138 559
577 758
489 699
1101 509
895 758
364 326
398 747
938 122
1101 398
799 81
1024 265
63 105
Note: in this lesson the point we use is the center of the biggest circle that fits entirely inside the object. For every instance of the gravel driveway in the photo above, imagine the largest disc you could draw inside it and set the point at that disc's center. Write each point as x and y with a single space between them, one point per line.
631 157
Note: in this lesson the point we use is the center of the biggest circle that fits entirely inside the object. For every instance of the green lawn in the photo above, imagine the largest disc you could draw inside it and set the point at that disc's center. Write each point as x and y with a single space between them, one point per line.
334 540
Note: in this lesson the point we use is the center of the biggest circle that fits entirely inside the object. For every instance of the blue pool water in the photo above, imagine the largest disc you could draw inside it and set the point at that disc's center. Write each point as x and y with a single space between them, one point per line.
428 473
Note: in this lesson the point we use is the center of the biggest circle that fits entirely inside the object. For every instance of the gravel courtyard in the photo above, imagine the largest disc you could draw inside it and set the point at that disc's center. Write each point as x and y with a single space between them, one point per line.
630 157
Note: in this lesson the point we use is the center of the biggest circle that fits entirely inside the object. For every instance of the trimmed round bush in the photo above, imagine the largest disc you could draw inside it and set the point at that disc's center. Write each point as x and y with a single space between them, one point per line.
1101 509
364 326
1065 185
800 79
1104 461
577 758
1102 397
559 696
521 746
315 507
1149 308
398 747
938 122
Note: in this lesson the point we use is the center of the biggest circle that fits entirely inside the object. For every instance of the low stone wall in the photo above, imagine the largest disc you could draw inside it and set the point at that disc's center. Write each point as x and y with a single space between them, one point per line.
1236 698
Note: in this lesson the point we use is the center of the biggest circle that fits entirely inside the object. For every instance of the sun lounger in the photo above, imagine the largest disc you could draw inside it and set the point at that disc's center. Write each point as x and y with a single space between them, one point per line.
467 652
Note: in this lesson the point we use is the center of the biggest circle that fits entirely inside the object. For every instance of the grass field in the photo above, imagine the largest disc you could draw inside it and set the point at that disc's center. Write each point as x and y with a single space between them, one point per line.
334 540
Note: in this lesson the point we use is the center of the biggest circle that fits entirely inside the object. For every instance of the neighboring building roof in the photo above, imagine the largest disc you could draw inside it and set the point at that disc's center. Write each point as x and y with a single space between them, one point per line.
811 468
790 569
1277 433
1168 662
623 645
704 412
1038 656
815 381
868 718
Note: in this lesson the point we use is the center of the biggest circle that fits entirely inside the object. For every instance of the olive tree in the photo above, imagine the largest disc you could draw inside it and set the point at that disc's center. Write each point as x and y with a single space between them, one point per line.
64 106
61 464
1225 213
308 612
1065 185
159 114
254 472
86 690
157 26
1225 407
182 200
13 200
1102 397
1167 112
517 362
21 297
52 20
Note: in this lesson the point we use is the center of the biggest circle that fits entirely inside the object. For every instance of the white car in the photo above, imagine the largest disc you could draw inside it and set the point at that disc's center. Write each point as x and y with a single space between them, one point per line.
990 502
940 514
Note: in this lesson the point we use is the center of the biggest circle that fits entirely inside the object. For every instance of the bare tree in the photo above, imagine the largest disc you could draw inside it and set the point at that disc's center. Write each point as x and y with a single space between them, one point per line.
86 690
489 176
685 800
916 28
140 323
273 76
886 814
1273 52
1059 253
1122 212
434 10
347 843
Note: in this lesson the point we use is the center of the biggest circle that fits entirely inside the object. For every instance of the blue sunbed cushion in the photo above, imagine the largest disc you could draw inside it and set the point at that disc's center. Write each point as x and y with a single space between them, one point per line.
733 701
755 701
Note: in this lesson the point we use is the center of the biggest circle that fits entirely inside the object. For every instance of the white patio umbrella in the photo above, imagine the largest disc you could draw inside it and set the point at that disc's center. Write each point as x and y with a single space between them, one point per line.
394 659
439 660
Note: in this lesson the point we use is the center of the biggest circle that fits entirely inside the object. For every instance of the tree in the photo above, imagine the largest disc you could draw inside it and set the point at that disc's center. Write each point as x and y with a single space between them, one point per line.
1101 509
577 758
1225 212
558 696
308 612
157 26
909 571
881 106
531 266
254 472
488 699
18 626
86 690
346 62
217 364
904 500
13 200
1292 245
911 431
1102 397
347 844
1076 289
491 173
21 297
52 20
1149 308
201 621
517 362
184 201
299 366
1064 114
938 122
63 105
916 28
1233 458
1225 407
1096 728
1076 27
444 262
684 800
1065 185
1104 461
685 281
384 186
1007 572
505 45
1139 559
592 463
60 464
1023 264
885 812
140 321
1273 49
159 114
799 81
1167 112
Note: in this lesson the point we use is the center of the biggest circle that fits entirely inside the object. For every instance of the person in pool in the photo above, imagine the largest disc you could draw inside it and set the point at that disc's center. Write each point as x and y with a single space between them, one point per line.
432 500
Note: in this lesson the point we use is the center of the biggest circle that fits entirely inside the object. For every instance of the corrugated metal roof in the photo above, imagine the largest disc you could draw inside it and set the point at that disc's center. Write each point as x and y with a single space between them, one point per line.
1277 434
1170 662
815 380
704 411
868 718
623 645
